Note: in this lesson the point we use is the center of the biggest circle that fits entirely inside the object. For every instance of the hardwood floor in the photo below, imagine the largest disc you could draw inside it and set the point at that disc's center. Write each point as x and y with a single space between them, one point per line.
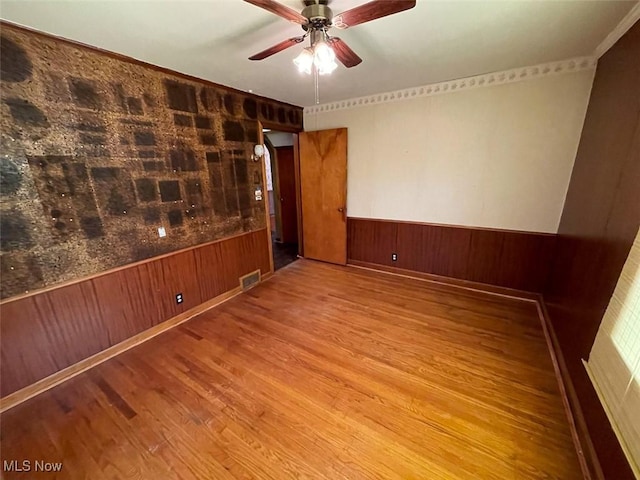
320 372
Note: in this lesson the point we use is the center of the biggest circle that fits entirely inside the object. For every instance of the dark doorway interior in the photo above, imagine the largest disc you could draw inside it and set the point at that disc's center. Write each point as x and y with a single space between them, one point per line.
284 254
281 190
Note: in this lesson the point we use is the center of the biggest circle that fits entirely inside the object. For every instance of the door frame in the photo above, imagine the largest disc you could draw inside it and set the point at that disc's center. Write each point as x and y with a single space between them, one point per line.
276 184
296 165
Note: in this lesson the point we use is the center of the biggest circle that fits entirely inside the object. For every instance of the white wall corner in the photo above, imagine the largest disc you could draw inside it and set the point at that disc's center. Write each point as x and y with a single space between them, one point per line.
577 147
623 27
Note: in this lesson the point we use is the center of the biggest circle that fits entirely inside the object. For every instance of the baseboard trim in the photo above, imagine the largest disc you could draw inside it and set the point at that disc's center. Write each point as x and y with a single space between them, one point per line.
584 447
587 457
467 284
71 371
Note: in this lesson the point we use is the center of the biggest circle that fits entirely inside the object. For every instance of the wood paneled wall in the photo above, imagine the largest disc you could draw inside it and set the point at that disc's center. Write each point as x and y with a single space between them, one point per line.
599 223
518 260
46 332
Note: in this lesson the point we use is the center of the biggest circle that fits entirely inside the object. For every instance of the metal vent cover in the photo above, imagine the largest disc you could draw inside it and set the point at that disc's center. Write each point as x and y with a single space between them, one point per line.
250 280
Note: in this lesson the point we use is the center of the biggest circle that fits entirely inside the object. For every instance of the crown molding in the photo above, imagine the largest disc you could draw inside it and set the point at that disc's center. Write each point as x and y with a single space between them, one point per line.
468 83
623 27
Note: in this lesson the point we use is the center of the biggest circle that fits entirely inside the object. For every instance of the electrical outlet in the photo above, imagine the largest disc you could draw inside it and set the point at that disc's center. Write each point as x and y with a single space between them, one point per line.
162 232
394 257
179 298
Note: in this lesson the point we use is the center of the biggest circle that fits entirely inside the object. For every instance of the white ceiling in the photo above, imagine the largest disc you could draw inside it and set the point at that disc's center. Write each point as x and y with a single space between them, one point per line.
434 42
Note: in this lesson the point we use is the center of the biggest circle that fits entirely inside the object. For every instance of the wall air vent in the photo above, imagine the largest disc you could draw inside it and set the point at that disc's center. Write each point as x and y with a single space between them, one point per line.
250 280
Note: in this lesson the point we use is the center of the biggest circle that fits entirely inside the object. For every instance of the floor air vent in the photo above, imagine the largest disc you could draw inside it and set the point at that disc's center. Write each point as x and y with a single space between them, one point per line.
250 280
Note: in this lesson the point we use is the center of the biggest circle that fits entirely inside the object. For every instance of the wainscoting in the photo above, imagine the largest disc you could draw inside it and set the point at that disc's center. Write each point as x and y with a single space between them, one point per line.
315 374
45 332
599 222
504 258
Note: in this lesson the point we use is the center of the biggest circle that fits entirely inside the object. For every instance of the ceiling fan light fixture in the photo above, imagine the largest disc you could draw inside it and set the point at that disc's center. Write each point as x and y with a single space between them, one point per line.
322 52
304 61
316 19
324 58
327 68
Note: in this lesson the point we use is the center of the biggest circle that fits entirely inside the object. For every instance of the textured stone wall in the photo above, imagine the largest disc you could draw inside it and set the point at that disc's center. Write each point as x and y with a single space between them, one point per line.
97 153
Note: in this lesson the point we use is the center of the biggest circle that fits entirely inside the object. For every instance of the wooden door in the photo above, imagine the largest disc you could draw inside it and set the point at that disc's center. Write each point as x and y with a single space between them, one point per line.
323 178
287 193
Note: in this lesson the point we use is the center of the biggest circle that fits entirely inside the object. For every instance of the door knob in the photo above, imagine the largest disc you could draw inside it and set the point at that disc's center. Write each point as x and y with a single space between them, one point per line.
341 209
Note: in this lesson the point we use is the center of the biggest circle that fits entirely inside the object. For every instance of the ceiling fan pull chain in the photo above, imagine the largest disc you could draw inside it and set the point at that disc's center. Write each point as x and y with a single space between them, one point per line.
316 84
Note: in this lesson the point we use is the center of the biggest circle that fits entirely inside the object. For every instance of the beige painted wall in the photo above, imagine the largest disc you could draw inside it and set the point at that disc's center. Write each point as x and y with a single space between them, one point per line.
498 156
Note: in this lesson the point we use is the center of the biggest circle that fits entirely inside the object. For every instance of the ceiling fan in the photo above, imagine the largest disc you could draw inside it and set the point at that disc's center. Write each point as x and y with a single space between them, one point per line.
316 19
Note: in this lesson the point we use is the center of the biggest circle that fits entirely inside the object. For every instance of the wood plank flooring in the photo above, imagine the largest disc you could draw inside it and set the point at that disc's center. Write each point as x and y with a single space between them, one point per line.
320 372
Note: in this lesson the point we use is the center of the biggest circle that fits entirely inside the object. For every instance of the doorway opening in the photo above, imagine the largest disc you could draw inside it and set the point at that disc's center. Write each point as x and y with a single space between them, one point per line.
281 182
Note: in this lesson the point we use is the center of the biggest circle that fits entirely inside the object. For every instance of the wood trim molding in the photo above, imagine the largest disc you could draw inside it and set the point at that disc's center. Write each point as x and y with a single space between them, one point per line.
39 291
265 197
452 225
584 446
430 277
296 166
135 61
65 374
577 425
623 27
486 80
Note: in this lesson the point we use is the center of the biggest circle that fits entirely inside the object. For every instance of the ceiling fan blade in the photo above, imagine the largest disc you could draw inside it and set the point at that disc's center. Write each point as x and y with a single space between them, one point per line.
280 10
346 56
371 11
290 42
